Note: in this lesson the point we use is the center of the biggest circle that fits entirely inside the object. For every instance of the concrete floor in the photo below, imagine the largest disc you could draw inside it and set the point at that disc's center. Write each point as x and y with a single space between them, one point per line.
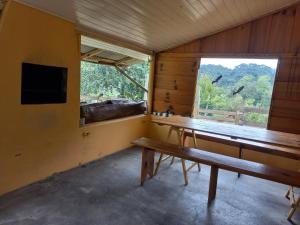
107 192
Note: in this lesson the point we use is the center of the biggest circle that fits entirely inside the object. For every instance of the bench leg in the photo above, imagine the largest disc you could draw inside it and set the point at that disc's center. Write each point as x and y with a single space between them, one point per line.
293 209
213 184
147 164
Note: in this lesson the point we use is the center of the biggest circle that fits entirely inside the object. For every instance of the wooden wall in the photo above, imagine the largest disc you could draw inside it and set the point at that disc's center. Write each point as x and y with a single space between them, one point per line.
276 35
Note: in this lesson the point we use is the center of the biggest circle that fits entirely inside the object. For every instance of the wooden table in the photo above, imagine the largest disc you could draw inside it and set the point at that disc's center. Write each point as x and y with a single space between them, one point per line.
257 139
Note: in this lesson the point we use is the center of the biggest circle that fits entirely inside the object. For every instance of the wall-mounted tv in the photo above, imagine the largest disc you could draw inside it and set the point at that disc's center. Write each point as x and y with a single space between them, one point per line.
43 84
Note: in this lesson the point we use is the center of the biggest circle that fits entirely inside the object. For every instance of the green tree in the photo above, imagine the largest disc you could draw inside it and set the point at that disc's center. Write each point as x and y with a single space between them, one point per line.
256 80
106 81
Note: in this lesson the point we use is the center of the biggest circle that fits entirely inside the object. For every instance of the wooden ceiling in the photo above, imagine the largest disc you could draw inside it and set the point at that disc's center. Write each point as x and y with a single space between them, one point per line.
158 24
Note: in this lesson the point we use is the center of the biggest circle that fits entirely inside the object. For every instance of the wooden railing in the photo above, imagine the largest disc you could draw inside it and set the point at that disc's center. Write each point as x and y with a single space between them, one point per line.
231 117
254 110
218 115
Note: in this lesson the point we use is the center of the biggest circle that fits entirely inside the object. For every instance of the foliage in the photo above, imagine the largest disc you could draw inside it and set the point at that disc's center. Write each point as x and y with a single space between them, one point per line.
257 81
106 81
230 76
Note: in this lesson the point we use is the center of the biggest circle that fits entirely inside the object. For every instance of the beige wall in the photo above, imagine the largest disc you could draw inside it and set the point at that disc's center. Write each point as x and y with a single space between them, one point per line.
39 140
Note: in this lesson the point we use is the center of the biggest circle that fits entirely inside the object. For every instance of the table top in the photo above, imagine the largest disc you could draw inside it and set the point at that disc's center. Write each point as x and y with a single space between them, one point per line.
234 131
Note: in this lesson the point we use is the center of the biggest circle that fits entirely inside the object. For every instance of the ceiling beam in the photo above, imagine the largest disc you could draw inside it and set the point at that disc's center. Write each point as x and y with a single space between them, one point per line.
123 60
91 53
101 62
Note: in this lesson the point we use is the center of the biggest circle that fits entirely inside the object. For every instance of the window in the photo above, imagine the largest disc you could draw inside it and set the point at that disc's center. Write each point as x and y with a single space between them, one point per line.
235 90
114 81
102 82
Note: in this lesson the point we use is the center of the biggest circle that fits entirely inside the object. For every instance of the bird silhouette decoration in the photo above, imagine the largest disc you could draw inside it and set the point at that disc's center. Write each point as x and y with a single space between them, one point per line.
238 90
217 79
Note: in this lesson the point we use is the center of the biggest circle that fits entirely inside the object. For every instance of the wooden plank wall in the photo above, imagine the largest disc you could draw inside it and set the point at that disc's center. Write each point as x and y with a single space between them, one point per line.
276 35
175 82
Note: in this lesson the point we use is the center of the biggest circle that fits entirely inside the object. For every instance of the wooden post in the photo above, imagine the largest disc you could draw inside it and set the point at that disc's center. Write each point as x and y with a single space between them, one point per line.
147 164
130 78
237 117
151 83
213 184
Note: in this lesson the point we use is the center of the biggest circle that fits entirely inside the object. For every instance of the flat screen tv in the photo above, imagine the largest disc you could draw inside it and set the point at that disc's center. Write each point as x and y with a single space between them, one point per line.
43 84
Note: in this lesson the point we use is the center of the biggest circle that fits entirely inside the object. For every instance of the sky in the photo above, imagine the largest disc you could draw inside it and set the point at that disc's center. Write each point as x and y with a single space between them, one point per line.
231 63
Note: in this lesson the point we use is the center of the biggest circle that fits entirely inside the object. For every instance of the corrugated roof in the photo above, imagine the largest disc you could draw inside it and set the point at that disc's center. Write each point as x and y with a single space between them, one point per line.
96 51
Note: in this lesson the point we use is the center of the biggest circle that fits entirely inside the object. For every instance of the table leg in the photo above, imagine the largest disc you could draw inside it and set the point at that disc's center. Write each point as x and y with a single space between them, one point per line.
172 160
161 154
179 136
180 143
196 146
293 209
158 163
213 184
240 157
147 164
184 171
287 194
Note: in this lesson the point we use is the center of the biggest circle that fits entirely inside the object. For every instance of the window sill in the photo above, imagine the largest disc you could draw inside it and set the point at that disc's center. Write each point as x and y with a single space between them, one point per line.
113 121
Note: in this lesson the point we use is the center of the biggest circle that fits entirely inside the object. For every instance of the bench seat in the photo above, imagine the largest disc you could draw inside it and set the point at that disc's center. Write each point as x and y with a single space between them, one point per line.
216 161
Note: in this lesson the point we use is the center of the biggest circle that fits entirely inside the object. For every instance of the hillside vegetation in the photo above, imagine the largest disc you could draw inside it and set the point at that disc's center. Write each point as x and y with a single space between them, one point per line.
251 83
105 81
247 85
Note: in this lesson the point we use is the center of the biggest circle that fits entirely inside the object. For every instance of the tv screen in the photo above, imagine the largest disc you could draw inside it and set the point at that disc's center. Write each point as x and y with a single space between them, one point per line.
43 84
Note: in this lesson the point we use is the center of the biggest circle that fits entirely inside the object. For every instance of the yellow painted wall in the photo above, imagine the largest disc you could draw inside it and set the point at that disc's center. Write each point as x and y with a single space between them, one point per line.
39 140
160 132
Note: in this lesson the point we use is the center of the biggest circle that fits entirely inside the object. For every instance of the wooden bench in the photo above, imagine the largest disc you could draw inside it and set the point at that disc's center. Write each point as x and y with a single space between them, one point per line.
216 161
